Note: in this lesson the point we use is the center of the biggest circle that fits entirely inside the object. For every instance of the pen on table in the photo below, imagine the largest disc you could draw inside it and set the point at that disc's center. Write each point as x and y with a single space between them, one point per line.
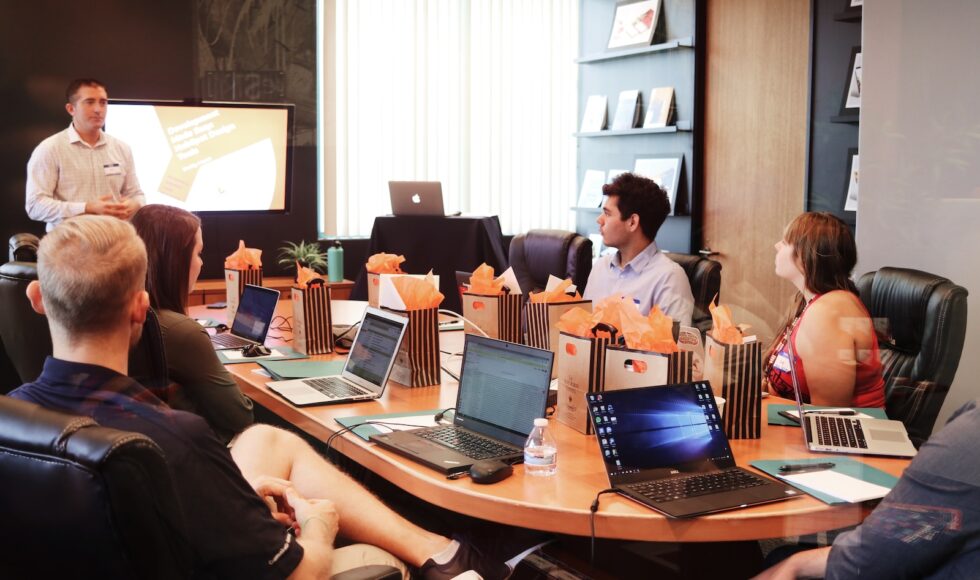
842 412
800 467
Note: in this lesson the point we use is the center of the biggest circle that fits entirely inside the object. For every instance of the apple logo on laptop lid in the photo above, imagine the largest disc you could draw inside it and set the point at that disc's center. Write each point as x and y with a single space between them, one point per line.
416 199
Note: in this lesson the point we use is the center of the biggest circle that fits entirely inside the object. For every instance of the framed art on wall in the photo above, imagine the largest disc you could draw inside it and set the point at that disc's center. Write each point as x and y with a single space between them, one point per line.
634 23
851 103
665 170
853 173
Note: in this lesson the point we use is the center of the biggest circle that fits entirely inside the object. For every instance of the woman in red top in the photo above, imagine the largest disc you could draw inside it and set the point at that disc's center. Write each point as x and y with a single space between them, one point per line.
837 361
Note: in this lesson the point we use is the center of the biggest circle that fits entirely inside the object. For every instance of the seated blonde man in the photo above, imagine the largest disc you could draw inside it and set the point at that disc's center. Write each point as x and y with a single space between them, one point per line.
269 507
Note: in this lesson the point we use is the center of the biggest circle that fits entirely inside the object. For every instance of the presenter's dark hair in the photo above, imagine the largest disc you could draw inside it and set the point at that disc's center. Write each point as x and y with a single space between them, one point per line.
72 90
640 196
169 235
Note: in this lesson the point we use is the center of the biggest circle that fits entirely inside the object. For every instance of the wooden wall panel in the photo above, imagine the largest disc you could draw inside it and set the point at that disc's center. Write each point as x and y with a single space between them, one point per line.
754 146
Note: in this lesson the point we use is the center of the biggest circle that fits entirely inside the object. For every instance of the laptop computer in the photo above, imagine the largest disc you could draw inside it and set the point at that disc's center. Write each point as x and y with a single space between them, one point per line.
366 372
829 433
252 320
416 197
503 388
664 447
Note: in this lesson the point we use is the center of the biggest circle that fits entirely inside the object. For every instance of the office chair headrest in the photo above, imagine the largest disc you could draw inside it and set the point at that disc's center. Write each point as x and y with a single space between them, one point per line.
23 247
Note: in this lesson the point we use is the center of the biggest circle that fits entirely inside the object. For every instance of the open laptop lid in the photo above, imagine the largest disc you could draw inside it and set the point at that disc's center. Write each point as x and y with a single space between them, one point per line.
791 356
503 388
255 311
650 433
416 198
372 355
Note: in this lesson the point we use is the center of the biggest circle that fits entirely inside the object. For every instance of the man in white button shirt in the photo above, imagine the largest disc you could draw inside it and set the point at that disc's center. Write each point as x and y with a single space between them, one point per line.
634 210
81 169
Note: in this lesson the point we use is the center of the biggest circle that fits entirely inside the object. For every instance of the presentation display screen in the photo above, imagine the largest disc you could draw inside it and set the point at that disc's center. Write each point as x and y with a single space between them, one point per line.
206 157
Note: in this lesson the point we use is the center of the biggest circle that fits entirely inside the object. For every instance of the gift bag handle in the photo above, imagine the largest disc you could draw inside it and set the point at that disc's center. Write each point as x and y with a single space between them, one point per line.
614 336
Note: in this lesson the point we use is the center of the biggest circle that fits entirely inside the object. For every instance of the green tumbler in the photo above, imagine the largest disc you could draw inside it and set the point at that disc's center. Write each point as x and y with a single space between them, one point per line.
335 263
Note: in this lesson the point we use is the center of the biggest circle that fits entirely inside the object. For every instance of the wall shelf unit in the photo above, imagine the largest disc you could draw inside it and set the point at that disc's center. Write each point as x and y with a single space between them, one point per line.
676 59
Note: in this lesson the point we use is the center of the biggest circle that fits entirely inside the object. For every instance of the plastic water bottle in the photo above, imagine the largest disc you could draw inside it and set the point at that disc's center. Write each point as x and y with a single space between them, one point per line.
335 263
540 451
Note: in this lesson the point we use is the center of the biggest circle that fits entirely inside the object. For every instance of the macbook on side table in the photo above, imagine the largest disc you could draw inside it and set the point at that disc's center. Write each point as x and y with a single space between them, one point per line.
416 198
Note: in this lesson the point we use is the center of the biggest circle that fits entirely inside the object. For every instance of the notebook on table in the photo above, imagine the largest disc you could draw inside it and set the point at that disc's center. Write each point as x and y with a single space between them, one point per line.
503 388
664 447
366 372
842 434
416 198
252 320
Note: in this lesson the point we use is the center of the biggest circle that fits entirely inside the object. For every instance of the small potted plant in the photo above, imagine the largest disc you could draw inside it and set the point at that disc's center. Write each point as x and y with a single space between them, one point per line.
307 254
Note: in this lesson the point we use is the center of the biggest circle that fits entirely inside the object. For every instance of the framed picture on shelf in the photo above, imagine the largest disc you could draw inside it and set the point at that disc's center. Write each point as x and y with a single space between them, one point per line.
634 23
853 173
665 170
851 103
660 111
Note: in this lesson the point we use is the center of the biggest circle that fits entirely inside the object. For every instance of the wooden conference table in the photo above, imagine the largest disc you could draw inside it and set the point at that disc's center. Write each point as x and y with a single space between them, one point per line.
561 503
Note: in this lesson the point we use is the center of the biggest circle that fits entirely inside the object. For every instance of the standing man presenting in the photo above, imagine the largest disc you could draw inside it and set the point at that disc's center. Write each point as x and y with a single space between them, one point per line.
635 209
81 169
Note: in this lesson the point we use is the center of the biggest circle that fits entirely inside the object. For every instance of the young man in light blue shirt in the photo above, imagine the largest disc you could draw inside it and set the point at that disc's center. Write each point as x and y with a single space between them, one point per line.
634 210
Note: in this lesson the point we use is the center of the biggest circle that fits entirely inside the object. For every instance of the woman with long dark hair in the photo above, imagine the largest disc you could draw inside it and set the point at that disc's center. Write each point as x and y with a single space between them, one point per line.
833 338
173 249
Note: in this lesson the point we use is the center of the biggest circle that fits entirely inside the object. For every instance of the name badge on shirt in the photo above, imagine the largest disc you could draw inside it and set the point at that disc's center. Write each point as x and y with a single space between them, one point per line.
112 169
782 362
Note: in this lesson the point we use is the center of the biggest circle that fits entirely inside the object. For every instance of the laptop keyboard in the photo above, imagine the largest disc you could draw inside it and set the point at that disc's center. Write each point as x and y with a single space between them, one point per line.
840 432
228 340
467 443
683 487
333 387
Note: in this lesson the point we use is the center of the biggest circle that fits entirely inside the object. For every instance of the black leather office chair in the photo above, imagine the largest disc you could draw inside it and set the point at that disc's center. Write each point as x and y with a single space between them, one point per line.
538 253
925 316
705 278
83 501
23 247
26 339
23 332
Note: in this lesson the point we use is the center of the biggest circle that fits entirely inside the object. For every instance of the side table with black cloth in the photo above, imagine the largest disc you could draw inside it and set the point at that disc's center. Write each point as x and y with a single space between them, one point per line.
444 244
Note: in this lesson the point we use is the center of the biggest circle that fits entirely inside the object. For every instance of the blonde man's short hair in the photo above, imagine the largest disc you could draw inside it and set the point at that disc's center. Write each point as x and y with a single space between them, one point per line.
89 267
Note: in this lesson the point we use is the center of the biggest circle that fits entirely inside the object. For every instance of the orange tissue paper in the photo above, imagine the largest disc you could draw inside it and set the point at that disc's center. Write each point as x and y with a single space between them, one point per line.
385 264
578 322
418 294
305 275
723 328
482 282
244 258
555 295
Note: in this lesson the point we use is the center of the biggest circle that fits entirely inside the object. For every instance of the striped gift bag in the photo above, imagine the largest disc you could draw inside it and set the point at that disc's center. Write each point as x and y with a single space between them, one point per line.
235 281
417 362
735 373
312 327
499 316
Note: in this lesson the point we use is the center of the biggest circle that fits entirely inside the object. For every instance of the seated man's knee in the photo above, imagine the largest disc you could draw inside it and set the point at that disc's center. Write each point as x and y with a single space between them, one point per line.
267 437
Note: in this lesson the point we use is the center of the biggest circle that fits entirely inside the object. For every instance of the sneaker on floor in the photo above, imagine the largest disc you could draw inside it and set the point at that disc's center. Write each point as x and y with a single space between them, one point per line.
467 558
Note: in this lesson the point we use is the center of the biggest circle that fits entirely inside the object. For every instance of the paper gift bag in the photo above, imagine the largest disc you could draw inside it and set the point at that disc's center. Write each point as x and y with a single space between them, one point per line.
499 316
626 368
312 327
542 323
235 281
735 373
581 370
417 362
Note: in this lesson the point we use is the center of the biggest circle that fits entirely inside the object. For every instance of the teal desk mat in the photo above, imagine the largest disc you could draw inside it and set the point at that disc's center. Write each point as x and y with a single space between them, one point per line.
301 369
365 431
287 354
844 465
774 418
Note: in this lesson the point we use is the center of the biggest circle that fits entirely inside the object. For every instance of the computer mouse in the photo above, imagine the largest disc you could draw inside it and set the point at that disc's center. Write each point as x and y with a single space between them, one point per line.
256 350
490 471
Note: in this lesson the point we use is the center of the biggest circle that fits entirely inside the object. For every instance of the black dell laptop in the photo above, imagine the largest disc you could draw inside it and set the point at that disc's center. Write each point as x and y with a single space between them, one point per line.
665 448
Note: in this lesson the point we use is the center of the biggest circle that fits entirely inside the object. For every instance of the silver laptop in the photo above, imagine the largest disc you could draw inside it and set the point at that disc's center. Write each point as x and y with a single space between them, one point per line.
416 198
366 371
829 433
256 308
